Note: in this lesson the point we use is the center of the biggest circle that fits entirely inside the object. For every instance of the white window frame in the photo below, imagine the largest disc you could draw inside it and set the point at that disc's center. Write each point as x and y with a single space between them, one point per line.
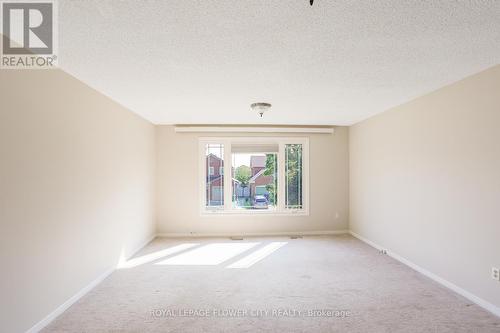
228 205
211 171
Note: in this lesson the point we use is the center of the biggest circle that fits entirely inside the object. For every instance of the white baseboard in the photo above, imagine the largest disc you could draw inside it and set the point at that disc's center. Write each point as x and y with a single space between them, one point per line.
473 298
63 307
141 246
250 234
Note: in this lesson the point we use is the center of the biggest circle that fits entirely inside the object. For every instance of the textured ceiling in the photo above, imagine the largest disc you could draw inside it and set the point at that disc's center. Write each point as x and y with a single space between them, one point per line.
338 62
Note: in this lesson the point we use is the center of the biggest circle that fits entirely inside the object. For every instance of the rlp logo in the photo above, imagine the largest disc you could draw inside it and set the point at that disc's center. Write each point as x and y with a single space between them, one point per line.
27 27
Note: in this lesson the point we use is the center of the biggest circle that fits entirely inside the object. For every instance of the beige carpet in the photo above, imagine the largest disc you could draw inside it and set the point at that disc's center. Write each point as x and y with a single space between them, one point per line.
314 284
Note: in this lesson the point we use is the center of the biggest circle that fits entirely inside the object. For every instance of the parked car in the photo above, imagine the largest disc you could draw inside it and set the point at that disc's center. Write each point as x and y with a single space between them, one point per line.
260 202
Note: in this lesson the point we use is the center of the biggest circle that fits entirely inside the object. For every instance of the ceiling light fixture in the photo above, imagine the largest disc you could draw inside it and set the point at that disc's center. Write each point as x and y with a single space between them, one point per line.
260 108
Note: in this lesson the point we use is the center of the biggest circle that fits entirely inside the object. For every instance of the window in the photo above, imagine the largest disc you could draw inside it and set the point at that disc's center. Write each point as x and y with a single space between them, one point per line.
265 175
255 176
293 176
213 183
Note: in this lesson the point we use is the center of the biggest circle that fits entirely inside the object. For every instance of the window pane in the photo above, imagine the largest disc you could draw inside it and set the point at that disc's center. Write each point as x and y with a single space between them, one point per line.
255 178
293 176
214 179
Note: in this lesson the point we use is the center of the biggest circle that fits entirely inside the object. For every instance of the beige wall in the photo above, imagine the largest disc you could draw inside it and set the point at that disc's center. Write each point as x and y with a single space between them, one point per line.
76 190
425 182
178 206
77 187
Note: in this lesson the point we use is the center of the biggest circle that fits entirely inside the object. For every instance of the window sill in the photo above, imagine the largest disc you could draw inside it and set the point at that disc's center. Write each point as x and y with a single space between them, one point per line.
253 213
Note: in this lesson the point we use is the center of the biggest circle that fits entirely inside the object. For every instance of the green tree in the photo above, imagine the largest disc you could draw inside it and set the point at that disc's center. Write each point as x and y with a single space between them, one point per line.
271 163
243 173
293 176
